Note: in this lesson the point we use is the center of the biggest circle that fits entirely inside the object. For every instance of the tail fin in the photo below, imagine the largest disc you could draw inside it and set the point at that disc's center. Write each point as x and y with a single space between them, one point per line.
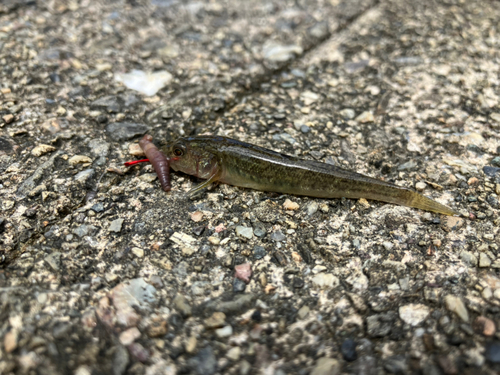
427 204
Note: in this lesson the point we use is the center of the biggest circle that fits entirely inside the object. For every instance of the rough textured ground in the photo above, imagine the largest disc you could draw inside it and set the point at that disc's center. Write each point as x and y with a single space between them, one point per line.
104 273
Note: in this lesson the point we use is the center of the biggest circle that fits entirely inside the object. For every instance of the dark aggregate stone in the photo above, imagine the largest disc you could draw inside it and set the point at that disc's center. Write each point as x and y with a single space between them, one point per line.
475 148
298 283
279 258
198 231
492 352
259 230
51 232
395 365
239 285
78 91
130 99
123 131
257 316
496 161
305 253
176 321
84 230
492 201
305 129
55 78
111 103
366 365
491 171
5 145
98 207
259 252
379 325
205 361
348 350
102 119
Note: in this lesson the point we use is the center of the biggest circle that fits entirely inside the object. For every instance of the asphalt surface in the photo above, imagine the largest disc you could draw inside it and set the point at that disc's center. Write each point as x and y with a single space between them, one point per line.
102 272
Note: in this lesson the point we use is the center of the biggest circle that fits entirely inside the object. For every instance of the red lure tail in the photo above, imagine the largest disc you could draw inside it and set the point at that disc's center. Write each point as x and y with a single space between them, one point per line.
134 162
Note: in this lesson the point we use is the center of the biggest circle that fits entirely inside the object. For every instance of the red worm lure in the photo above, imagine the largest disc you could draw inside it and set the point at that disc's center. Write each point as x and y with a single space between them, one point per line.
159 162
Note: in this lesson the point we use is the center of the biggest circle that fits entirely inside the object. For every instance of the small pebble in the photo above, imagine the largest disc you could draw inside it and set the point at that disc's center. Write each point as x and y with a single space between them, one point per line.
42 149
413 314
123 131
191 344
116 225
487 293
325 281
217 320
129 336
234 353
135 150
496 294
388 245
239 286
79 159
365 117
484 260
8 118
182 305
312 208
138 252
197 216
84 175
492 352
224 332
420 186
214 240
455 304
138 352
484 326
244 232
243 272
259 230
289 205
347 113
10 341
259 252
278 236
348 350
303 312
407 166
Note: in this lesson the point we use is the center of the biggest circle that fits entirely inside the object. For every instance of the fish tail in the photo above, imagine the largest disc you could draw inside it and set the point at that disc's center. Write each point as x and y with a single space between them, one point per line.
427 204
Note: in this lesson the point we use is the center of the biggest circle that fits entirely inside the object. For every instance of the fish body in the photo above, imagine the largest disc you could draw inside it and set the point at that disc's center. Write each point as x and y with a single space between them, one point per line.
241 164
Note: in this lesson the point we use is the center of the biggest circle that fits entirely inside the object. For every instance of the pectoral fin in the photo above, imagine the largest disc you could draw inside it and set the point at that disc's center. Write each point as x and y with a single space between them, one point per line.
214 177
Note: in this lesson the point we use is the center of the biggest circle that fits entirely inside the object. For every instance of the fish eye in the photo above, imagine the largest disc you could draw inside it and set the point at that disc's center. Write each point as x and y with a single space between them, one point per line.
179 150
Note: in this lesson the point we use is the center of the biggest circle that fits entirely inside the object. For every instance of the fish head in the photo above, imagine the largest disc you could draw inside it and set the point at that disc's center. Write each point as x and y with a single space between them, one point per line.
191 156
